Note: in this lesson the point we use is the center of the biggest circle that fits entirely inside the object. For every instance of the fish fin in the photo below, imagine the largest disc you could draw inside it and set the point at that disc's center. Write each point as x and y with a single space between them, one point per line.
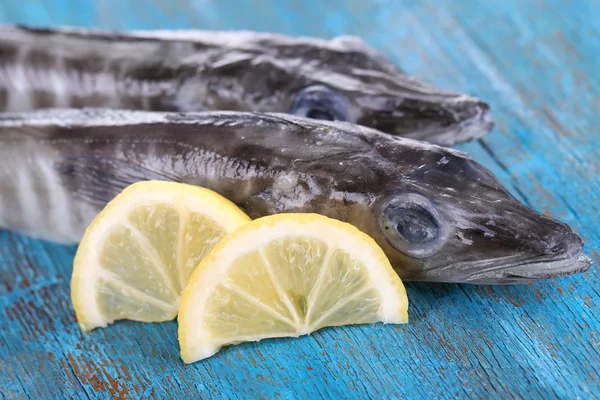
98 180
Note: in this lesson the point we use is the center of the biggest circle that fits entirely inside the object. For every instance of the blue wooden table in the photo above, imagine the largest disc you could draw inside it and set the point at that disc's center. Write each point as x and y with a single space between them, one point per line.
537 63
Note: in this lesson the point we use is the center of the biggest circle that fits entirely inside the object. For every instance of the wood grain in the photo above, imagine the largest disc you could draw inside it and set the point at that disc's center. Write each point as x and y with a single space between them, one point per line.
536 63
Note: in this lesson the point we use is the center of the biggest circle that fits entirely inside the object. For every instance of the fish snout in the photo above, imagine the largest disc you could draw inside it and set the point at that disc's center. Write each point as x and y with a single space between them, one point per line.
441 119
551 249
517 245
560 243
464 118
469 110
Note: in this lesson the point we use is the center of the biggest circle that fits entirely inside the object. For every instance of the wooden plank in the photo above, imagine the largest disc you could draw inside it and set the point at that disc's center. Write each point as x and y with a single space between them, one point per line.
536 63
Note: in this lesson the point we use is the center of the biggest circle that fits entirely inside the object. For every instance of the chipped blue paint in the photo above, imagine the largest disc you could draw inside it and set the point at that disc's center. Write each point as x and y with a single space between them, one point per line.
536 63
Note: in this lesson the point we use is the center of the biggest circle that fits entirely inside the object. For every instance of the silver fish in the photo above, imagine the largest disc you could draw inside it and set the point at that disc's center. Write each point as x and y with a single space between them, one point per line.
437 213
340 79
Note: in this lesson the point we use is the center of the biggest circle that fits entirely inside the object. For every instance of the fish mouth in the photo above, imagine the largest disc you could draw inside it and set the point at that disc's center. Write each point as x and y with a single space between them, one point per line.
533 271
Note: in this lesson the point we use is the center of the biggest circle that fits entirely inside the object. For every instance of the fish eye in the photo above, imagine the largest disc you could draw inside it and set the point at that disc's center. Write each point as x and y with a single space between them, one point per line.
320 102
412 225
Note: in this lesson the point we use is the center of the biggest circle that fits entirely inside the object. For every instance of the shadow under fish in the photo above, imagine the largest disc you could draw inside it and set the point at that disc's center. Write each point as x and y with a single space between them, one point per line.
438 214
341 79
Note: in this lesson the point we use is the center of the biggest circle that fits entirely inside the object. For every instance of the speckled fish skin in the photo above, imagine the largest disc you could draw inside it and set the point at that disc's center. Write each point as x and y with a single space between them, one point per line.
437 213
340 79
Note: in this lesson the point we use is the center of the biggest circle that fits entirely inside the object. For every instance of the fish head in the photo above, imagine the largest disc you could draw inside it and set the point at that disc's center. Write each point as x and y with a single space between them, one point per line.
441 216
401 106
342 79
351 82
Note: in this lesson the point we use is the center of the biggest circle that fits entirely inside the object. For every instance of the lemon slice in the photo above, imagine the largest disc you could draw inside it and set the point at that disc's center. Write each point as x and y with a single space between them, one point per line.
137 255
287 275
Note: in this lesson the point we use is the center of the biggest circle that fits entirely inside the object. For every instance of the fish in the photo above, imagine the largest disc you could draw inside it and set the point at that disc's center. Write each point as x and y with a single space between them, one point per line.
438 214
340 79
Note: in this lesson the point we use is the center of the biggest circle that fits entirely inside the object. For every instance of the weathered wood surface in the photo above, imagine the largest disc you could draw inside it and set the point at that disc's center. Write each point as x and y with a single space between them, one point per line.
536 62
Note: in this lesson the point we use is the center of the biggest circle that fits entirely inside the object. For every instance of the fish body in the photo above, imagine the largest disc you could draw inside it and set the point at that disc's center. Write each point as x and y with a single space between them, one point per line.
436 212
339 79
